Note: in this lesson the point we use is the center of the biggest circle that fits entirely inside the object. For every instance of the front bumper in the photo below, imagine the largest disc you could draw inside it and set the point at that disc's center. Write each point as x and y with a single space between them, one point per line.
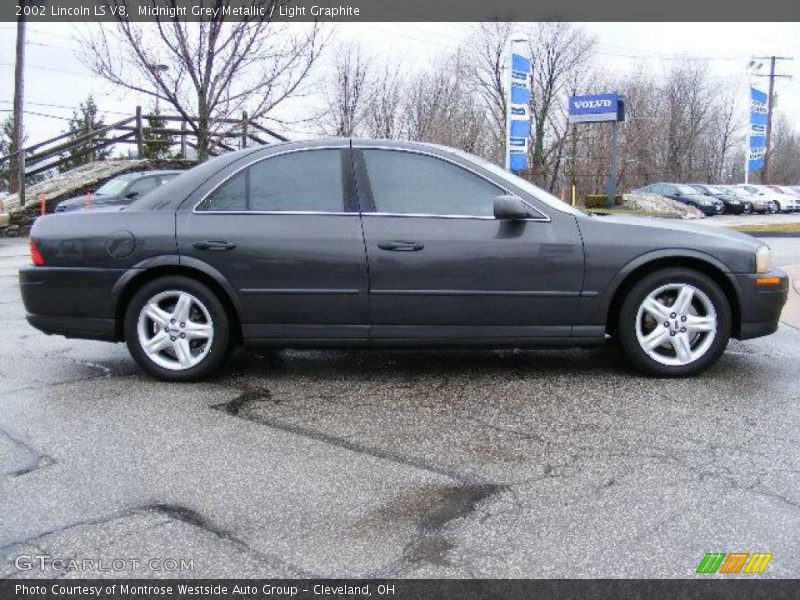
708 210
760 306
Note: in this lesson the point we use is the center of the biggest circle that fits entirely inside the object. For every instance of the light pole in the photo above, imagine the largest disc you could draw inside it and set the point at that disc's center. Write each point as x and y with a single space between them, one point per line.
158 69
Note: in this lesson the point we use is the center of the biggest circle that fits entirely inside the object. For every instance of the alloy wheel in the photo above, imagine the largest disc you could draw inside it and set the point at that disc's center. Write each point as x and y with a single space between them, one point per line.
676 324
175 330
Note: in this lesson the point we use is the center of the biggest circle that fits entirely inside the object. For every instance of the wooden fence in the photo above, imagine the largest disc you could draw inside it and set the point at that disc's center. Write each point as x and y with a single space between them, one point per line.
54 152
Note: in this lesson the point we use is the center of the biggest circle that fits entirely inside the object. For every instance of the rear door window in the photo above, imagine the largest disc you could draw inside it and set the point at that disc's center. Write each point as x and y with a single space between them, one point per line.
304 181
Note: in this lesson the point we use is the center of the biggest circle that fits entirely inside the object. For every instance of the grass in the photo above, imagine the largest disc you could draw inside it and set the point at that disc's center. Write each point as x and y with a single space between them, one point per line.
768 228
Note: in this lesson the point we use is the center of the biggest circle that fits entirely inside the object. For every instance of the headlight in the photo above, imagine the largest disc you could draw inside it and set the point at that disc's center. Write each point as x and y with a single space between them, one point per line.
763 259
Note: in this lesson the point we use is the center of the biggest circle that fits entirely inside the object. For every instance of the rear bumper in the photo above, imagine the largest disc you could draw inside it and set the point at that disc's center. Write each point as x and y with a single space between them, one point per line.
71 302
760 306
75 327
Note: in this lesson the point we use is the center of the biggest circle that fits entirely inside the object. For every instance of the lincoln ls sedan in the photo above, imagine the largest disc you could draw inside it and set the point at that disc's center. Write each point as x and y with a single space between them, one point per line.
361 243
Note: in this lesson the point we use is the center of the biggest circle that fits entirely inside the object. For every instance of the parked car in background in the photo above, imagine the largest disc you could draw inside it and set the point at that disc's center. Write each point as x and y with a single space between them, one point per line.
119 191
733 204
419 245
763 198
747 198
792 198
685 194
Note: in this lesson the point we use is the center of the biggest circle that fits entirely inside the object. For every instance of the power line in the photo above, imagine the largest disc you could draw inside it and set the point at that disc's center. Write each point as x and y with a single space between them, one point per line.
50 69
48 105
38 114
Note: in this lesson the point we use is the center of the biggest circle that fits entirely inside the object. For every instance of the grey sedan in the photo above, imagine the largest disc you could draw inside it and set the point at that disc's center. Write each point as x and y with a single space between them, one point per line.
364 243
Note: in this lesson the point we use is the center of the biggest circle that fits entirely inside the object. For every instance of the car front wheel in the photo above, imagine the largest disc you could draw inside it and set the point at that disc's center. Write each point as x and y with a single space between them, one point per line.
177 329
675 322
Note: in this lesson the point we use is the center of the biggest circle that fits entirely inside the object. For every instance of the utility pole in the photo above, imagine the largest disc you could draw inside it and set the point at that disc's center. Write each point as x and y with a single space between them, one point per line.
17 163
765 175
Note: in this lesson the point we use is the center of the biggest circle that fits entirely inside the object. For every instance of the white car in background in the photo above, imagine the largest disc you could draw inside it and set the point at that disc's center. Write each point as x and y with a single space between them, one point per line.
764 199
760 202
792 203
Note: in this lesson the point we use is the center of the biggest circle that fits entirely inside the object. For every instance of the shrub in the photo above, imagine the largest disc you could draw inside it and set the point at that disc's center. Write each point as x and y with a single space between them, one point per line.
600 201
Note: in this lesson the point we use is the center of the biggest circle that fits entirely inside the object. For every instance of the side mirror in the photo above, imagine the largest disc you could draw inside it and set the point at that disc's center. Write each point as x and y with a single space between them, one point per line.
510 208
131 195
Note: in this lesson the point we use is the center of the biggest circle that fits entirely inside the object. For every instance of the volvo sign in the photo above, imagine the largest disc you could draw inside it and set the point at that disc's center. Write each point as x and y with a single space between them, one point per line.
598 108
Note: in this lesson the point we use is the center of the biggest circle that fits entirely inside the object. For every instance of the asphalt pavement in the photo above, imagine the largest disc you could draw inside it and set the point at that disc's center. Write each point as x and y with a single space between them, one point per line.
442 464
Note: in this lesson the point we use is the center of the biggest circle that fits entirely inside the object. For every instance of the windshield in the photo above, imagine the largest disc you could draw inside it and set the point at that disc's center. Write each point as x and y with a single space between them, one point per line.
113 187
524 184
685 189
715 190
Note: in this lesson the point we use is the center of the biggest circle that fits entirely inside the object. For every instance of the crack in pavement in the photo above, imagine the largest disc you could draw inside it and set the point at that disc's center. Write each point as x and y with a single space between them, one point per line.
39 461
172 512
250 395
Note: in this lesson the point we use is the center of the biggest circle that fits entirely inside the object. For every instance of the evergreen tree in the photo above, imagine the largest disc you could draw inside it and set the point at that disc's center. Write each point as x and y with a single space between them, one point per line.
85 120
6 148
156 145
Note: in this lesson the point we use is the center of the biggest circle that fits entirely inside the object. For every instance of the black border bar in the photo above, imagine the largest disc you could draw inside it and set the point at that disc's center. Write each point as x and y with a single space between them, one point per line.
403 589
411 10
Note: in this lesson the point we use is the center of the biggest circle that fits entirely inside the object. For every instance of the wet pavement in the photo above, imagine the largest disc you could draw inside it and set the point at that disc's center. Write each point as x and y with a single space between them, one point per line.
442 464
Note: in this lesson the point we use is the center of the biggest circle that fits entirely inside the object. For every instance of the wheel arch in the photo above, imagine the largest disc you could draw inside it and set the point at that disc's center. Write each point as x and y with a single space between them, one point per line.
697 261
134 279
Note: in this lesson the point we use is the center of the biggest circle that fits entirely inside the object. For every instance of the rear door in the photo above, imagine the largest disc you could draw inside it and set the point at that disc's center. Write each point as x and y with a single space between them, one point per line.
284 231
441 266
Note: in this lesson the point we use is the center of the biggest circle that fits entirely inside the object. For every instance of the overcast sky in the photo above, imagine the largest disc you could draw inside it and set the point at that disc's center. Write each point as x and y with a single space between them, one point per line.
56 81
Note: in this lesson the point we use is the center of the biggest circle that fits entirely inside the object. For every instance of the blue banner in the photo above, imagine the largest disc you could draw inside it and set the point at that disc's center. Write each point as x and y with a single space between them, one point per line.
518 119
758 130
597 108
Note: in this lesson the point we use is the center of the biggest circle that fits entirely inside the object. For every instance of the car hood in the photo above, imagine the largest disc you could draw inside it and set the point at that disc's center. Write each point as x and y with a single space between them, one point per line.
677 226
75 200
699 198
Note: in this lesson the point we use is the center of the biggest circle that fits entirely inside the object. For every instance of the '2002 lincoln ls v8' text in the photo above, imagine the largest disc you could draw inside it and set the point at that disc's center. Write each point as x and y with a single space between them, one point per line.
351 243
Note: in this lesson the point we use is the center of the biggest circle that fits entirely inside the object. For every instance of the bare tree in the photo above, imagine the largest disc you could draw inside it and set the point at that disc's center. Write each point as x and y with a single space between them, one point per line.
559 50
785 168
386 102
484 73
208 70
347 94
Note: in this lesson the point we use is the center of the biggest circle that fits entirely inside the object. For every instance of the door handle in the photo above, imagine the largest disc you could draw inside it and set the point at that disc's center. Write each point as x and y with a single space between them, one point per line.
401 246
214 245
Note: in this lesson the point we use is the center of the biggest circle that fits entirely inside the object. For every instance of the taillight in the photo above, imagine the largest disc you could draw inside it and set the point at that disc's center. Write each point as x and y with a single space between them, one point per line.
36 256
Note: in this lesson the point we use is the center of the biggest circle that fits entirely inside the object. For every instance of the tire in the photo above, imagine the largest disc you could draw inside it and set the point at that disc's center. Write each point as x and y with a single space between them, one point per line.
700 347
773 208
748 208
777 206
187 350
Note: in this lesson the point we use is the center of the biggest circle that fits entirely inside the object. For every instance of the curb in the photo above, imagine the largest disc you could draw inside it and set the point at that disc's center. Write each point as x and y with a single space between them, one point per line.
771 234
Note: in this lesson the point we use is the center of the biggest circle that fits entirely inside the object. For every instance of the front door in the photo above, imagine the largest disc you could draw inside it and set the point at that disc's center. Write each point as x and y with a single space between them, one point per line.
285 233
441 265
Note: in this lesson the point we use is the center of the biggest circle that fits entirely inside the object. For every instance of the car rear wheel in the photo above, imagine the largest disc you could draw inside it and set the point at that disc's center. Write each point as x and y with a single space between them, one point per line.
748 208
177 329
773 207
674 322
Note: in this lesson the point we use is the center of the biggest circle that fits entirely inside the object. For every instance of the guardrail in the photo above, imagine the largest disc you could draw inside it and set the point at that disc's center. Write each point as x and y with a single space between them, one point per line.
52 153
